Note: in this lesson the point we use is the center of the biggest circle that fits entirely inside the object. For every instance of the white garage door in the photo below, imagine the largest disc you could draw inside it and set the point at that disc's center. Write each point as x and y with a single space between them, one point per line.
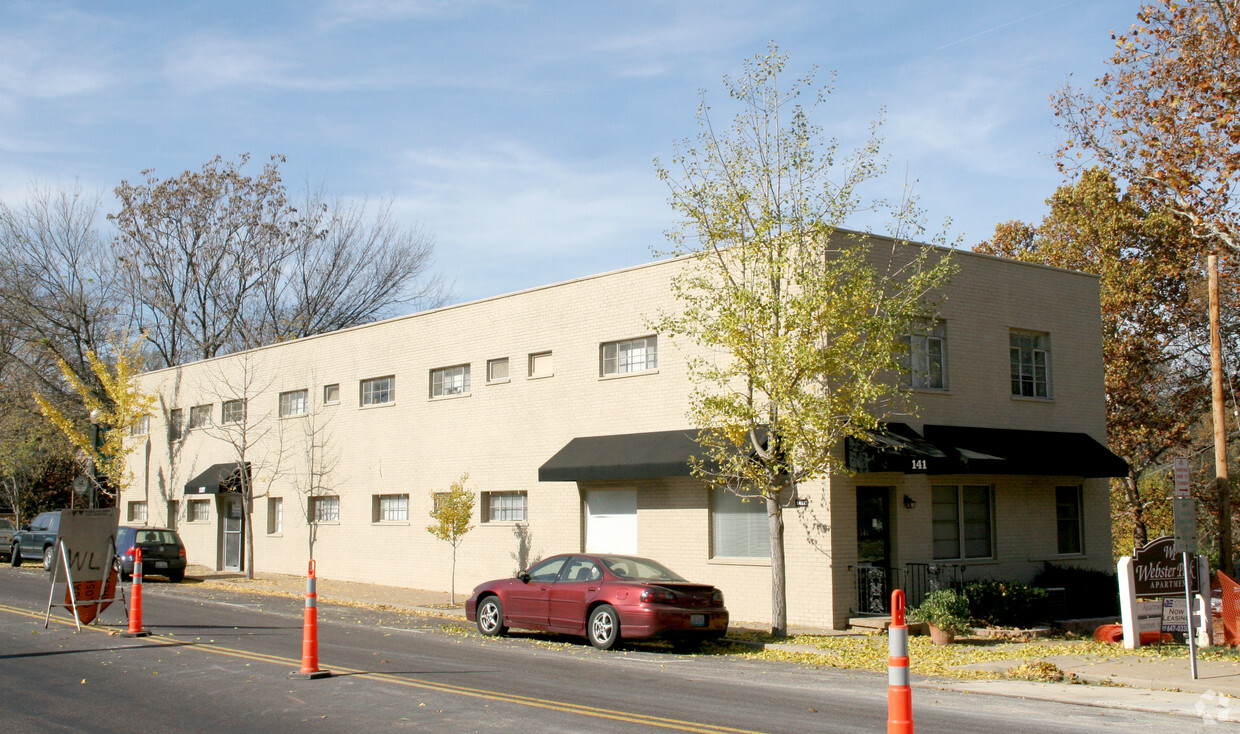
611 521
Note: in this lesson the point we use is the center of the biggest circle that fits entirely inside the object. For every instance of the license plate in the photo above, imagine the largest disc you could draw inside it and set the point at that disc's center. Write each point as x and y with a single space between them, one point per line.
161 564
697 620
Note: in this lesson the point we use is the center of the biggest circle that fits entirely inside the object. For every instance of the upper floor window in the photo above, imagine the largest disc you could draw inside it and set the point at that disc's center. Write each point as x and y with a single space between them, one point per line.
140 426
1031 363
541 365
924 366
293 403
633 355
200 416
497 370
379 390
176 419
233 411
450 381
331 394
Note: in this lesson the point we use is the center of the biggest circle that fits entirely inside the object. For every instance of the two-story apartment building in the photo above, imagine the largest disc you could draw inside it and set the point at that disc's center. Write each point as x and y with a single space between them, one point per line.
569 414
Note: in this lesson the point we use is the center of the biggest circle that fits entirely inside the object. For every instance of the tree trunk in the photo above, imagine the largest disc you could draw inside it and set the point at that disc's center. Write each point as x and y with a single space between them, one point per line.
247 499
779 596
1221 481
1140 533
452 584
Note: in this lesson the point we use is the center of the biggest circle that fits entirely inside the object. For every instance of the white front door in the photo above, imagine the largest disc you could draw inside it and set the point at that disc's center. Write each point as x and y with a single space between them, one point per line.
232 527
611 521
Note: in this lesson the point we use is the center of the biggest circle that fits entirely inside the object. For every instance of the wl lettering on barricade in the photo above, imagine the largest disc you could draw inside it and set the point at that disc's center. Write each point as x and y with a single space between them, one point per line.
85 550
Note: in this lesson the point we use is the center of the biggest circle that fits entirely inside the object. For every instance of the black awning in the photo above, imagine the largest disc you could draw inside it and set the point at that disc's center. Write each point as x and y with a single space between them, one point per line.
895 447
218 478
1034 453
623 456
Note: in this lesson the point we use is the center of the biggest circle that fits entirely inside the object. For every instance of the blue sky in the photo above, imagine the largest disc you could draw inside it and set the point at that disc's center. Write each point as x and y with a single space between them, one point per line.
523 134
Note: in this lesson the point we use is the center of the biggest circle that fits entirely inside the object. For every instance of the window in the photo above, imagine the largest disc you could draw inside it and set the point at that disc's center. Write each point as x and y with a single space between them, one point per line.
634 355
137 512
497 370
325 509
1030 364
174 508
1068 525
140 426
200 416
923 364
379 391
233 412
275 515
176 419
450 381
390 508
738 529
198 510
293 403
964 524
541 365
548 570
503 507
331 394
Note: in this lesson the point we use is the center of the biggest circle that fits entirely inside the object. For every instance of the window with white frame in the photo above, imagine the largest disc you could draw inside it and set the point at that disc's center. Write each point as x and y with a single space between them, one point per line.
198 511
632 355
504 507
275 515
294 403
1068 515
448 381
331 394
200 416
924 363
497 370
1031 363
738 528
140 426
233 411
390 508
137 512
325 508
379 390
541 365
964 521
176 419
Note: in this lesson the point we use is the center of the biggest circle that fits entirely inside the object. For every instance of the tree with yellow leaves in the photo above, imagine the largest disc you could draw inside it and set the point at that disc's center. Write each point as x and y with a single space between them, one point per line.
120 406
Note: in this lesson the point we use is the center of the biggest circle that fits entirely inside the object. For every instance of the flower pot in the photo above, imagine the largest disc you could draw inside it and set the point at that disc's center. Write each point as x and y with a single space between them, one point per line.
941 636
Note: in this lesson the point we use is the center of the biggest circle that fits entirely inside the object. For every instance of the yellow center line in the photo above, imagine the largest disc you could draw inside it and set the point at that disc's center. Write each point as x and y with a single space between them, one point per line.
561 706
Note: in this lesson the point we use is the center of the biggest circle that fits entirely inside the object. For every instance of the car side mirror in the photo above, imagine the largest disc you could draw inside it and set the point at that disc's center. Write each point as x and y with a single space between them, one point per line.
524 576
25 528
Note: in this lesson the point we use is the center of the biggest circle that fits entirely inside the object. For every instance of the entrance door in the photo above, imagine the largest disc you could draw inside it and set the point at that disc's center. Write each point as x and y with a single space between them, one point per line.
611 521
233 517
873 549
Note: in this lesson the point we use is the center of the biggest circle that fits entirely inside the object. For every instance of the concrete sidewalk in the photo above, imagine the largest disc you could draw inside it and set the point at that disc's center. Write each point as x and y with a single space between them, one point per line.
1127 682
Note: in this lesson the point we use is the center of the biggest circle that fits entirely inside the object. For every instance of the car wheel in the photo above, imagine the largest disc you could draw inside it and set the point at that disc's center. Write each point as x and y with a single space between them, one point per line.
176 577
49 557
491 617
15 555
603 628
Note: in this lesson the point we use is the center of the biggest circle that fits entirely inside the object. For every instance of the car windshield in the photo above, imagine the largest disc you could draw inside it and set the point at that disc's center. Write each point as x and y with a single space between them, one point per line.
643 569
166 537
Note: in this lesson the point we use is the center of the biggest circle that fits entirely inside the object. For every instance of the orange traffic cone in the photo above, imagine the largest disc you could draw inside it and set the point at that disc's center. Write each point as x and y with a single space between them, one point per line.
899 694
135 601
310 635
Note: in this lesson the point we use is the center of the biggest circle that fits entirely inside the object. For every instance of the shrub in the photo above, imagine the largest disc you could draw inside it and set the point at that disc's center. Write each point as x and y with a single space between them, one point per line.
1090 592
1006 603
946 609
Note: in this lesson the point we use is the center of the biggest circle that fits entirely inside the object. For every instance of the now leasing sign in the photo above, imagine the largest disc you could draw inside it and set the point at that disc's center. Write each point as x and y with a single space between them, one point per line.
1158 570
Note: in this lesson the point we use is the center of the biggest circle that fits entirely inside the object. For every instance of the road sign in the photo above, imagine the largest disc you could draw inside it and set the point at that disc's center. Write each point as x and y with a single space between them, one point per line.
1184 524
1183 477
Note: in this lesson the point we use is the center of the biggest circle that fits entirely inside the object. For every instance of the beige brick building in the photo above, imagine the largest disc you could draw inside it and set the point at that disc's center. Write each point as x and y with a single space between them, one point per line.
1001 470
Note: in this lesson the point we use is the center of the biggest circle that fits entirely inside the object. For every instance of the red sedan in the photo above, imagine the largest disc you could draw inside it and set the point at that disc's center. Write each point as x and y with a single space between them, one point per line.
603 597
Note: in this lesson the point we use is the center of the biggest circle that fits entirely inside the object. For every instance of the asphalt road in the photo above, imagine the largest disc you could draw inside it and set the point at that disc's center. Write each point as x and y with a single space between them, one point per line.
220 661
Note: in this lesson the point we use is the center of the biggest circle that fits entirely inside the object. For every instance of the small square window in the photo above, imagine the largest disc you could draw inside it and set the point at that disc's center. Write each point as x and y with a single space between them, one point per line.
233 411
137 512
448 381
198 511
497 370
541 365
331 394
390 508
379 390
504 507
200 417
140 426
293 403
632 355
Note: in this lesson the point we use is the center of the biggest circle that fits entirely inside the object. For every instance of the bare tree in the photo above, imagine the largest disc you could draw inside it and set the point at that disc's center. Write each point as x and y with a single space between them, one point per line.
346 268
311 462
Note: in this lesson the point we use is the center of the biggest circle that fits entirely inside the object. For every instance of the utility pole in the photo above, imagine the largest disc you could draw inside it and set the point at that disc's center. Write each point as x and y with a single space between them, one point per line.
1222 483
